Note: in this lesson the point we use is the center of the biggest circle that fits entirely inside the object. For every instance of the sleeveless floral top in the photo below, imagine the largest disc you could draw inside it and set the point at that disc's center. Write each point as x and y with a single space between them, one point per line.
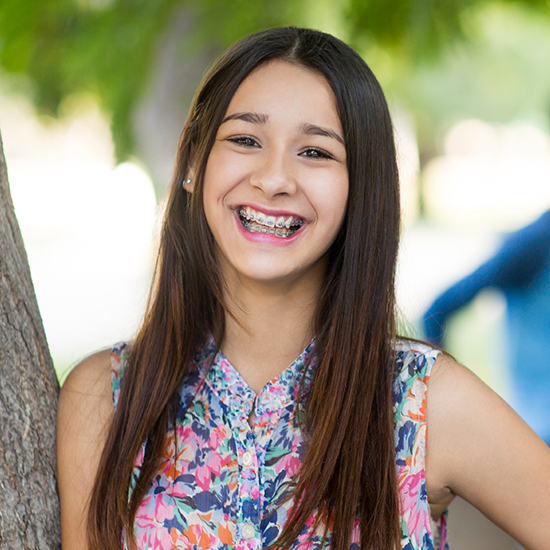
222 477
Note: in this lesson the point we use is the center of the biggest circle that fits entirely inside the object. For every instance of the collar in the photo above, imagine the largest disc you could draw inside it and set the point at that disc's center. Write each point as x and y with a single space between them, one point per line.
227 383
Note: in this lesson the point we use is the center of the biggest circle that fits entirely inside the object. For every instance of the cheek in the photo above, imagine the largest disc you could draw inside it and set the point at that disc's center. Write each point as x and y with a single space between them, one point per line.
214 182
224 164
223 173
332 202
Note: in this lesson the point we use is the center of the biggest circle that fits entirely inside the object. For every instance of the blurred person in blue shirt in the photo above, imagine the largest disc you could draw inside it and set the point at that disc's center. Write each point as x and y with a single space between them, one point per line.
521 270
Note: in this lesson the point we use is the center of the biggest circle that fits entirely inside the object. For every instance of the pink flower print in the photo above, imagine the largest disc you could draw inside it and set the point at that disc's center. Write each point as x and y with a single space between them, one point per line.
290 463
356 531
150 532
229 461
255 492
142 538
164 508
410 493
140 456
160 539
217 436
144 513
202 477
203 473
310 521
214 463
150 518
186 434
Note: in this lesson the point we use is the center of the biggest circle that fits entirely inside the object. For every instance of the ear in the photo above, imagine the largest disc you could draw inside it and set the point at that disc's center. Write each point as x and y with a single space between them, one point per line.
189 181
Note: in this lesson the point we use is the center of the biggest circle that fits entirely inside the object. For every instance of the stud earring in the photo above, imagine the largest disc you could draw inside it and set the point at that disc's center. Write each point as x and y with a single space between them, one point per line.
186 182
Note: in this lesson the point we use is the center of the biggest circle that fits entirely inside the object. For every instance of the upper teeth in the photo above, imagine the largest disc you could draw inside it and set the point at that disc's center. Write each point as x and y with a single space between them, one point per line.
269 221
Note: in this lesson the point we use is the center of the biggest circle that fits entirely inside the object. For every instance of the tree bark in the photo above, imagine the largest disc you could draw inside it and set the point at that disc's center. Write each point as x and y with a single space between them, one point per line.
29 505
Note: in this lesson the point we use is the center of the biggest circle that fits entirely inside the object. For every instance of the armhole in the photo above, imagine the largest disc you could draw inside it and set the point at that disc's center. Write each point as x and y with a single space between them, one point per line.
414 363
413 368
118 362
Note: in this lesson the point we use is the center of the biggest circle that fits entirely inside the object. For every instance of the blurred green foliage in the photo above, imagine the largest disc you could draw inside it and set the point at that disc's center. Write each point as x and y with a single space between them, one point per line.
495 71
419 29
108 47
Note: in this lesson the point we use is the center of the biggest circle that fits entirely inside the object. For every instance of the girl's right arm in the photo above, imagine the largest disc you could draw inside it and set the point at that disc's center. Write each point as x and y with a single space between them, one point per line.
84 415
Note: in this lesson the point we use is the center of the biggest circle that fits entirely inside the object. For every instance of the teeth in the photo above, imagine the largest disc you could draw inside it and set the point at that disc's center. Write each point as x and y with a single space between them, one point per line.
253 227
258 222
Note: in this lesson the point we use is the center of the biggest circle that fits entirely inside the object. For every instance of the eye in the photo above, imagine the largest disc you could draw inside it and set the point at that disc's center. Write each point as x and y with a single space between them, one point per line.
316 153
244 141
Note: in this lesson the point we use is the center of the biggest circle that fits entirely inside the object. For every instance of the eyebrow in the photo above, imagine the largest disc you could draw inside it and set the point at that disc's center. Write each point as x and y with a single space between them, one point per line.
313 130
254 118
308 129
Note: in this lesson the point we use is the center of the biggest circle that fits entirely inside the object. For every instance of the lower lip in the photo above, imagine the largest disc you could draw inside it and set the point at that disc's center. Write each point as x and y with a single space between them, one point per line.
267 238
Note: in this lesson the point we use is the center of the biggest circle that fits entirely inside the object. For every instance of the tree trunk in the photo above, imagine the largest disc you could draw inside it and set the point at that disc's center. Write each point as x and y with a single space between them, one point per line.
29 506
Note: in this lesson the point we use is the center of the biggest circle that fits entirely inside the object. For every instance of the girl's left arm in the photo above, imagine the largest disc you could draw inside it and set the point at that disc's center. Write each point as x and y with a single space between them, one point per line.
480 449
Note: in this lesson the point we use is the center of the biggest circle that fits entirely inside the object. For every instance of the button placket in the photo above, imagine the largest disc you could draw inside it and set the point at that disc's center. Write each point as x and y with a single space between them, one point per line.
248 520
248 459
248 531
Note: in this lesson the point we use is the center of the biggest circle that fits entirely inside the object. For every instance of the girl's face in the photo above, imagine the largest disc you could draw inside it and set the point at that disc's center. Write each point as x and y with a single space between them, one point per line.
276 180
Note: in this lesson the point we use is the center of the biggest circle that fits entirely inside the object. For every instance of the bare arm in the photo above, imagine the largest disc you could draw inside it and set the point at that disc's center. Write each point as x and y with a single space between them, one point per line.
84 415
480 449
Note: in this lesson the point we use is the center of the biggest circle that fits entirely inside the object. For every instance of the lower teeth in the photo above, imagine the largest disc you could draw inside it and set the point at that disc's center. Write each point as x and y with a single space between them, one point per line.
256 228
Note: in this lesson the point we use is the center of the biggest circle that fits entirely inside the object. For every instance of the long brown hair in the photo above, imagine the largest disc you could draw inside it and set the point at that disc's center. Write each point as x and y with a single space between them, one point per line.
348 470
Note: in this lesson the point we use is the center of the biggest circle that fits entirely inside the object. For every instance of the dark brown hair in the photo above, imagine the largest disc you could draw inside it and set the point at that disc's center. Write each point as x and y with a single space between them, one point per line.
348 470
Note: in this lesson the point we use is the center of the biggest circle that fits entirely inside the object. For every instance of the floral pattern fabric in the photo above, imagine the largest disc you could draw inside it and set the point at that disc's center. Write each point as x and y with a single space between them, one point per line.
225 470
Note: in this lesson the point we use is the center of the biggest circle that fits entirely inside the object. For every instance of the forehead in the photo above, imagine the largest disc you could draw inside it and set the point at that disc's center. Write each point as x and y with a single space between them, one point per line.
284 88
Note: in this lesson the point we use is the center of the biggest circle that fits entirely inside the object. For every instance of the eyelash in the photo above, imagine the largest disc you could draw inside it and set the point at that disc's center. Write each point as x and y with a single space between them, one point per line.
247 141
319 153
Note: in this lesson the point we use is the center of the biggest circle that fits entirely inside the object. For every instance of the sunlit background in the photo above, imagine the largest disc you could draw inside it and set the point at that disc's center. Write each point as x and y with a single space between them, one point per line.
471 115
86 222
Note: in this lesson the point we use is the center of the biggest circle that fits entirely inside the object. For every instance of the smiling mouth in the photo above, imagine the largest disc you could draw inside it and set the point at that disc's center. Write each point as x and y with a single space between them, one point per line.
258 222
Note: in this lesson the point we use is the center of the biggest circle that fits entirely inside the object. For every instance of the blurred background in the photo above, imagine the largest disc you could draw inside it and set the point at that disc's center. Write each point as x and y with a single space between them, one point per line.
94 94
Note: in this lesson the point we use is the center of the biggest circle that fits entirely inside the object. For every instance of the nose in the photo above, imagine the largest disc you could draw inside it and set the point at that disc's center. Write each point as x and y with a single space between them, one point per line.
274 175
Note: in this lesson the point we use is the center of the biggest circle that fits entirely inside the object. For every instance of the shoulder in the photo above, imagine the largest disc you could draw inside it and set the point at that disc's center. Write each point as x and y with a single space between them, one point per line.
84 416
96 378
85 400
90 378
453 387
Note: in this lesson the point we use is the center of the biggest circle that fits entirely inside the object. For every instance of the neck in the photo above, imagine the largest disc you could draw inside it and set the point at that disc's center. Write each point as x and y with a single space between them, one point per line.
272 325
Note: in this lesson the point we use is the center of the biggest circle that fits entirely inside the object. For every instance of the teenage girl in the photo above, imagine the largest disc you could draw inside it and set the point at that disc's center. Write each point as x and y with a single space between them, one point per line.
266 399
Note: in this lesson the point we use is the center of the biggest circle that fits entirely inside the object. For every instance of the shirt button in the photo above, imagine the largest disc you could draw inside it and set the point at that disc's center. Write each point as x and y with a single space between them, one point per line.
248 531
247 459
